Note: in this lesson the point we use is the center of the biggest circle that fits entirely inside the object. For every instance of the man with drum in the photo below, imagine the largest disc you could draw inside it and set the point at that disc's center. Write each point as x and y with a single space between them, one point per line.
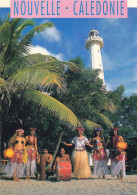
63 157
63 166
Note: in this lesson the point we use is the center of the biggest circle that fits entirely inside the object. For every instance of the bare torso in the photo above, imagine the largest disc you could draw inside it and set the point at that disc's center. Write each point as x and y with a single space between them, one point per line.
65 157
31 141
19 143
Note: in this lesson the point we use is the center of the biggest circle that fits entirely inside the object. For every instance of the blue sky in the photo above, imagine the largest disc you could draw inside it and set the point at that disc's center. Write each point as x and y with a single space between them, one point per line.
119 54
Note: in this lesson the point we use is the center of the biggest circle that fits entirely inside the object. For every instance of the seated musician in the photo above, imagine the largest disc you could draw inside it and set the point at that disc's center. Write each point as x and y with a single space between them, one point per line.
48 159
62 157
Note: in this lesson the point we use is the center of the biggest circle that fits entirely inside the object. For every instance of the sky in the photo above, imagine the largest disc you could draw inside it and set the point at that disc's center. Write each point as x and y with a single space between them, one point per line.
119 55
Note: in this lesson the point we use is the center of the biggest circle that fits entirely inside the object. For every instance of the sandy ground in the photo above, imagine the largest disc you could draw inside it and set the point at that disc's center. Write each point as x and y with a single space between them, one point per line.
94 186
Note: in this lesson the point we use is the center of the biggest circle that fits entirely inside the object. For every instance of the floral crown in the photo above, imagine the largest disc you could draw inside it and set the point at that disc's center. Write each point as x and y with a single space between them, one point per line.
98 129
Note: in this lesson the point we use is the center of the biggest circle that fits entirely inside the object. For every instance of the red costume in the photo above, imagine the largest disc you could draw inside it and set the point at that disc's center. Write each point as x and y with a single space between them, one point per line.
31 151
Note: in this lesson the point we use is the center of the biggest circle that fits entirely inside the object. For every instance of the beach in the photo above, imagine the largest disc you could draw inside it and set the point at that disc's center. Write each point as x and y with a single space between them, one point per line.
108 186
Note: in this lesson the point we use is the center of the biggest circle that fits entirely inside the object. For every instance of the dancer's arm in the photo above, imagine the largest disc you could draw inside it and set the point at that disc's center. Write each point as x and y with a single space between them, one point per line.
67 144
26 138
89 145
38 160
36 145
49 158
121 139
68 159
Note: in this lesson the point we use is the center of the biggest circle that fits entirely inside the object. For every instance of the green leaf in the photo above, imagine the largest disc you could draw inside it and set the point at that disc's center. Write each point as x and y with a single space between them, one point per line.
3 83
27 39
91 125
46 102
105 120
36 76
37 58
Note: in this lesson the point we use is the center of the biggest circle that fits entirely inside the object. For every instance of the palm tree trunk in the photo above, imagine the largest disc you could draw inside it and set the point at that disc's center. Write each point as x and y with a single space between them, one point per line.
56 150
0 128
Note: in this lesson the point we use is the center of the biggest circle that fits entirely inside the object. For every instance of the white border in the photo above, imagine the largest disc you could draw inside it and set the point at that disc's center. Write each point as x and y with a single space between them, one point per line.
6 3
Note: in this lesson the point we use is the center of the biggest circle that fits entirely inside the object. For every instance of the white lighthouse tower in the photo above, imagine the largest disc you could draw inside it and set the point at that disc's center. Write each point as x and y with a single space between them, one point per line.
94 43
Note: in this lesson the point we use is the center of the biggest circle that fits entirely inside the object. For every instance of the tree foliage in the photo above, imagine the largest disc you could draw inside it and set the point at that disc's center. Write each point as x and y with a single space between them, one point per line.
24 75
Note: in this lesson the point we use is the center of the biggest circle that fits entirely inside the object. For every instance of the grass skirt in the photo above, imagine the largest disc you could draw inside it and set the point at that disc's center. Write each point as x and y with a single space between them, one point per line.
100 168
100 163
80 165
15 165
118 166
30 166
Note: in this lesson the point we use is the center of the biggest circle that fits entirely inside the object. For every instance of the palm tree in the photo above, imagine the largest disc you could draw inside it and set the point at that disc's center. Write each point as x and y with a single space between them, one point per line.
30 76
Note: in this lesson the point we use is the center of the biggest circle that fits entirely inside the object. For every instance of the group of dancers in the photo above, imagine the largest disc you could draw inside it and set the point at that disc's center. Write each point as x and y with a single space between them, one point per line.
100 157
25 160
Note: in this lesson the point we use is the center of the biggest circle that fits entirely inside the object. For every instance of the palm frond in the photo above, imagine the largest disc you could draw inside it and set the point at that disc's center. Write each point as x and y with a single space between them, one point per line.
71 66
36 77
91 125
105 119
4 20
5 89
24 24
25 61
27 39
57 66
8 17
37 59
3 83
16 22
46 102
5 31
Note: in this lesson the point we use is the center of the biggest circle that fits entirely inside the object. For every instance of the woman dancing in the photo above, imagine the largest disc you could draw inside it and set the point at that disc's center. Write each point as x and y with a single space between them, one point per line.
117 156
15 167
80 156
99 155
31 144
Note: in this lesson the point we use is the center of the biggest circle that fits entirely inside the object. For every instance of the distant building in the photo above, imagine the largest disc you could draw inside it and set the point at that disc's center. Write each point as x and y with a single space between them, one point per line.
94 43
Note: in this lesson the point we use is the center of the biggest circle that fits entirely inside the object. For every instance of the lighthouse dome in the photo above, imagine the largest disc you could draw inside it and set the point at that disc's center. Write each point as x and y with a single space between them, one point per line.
93 33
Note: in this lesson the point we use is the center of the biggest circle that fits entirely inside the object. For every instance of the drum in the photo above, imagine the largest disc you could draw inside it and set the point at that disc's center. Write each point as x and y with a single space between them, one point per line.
63 171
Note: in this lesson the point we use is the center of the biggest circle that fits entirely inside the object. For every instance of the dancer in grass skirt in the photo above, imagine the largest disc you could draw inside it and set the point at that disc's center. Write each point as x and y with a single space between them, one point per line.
117 156
15 167
99 155
79 156
31 144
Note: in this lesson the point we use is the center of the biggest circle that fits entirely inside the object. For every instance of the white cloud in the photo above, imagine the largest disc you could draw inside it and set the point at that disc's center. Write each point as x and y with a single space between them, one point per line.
51 34
112 21
106 22
130 91
44 51
44 21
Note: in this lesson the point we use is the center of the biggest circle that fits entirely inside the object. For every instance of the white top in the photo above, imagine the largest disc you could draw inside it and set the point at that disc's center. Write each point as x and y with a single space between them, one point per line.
80 143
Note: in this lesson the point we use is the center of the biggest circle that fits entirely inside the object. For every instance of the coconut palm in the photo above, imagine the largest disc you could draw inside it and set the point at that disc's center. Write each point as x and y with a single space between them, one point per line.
30 76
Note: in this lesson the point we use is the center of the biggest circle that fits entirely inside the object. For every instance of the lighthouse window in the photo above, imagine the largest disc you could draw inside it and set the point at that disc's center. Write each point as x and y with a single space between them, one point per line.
100 65
92 33
98 50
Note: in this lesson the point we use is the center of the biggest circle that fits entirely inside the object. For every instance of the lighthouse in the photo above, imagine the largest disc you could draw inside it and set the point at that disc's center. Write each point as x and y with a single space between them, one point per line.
94 43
